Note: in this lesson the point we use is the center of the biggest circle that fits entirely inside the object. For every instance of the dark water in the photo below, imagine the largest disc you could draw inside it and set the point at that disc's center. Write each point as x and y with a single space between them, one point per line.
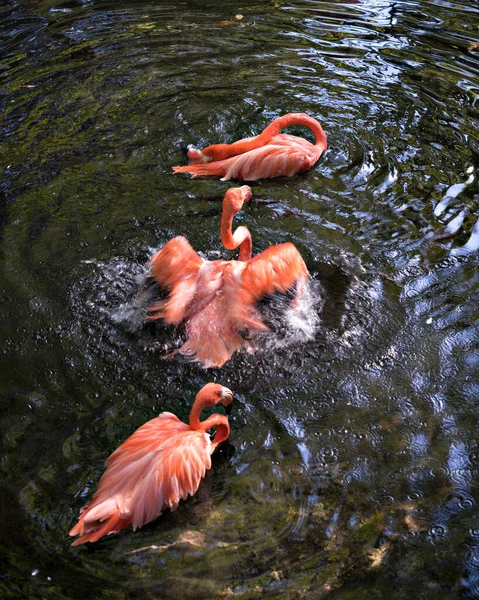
352 466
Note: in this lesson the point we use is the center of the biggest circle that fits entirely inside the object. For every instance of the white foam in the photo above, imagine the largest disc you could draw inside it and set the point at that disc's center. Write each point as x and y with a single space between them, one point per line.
298 323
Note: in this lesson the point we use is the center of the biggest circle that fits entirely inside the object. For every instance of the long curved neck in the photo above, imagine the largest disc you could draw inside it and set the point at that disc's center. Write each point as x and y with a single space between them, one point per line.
241 237
299 119
218 421
222 428
222 151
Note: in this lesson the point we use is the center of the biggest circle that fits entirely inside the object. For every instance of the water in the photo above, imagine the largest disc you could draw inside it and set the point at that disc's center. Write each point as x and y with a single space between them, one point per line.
352 466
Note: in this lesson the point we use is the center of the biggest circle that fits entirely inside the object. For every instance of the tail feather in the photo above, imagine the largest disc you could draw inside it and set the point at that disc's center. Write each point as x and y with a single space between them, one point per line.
92 532
215 169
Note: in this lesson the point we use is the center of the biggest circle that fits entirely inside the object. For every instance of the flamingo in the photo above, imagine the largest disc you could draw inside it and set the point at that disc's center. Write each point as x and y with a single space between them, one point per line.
162 462
218 300
270 154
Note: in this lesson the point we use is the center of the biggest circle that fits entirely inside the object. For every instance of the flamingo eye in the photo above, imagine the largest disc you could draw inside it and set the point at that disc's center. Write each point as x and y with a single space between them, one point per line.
245 333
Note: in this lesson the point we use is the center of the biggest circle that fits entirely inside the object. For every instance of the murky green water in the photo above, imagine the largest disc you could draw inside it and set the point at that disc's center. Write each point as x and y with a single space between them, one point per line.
353 461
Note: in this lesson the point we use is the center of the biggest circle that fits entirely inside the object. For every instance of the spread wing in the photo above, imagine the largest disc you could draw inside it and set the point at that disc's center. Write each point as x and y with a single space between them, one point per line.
278 269
161 463
175 268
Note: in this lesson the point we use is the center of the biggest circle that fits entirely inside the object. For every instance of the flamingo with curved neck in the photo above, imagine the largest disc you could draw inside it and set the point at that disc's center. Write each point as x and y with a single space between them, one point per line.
218 301
162 462
269 154
210 395
232 204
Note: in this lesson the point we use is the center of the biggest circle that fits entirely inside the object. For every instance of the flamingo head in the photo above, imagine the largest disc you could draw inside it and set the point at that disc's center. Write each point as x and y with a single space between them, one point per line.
213 393
196 156
236 197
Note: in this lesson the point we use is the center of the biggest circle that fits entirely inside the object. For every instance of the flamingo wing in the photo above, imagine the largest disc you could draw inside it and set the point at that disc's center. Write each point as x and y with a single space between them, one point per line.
161 463
278 269
175 268
277 159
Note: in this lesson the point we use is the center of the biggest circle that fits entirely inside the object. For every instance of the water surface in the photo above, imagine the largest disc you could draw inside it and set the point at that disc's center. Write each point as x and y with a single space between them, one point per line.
353 460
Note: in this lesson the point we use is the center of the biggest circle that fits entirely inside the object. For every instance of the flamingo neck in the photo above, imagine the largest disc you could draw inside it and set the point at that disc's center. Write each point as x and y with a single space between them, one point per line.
241 237
195 413
220 422
280 123
223 151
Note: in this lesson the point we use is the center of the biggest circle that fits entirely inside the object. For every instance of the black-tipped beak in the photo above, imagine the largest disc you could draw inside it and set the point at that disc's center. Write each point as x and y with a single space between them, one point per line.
227 399
247 193
184 149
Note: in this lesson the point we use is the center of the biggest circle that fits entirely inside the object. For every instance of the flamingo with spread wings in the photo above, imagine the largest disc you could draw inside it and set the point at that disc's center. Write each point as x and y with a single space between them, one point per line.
270 154
162 462
217 301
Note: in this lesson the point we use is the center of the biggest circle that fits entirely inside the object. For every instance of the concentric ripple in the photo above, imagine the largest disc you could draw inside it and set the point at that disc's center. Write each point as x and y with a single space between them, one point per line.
354 454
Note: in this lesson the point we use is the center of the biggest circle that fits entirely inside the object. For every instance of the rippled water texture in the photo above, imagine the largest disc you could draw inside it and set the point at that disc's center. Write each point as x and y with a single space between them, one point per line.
352 466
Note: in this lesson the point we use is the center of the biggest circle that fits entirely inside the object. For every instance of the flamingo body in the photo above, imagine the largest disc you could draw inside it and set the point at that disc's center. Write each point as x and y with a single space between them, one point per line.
162 462
270 154
217 300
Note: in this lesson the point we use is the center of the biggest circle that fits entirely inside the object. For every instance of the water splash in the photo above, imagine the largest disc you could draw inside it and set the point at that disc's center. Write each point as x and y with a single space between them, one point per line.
132 315
291 324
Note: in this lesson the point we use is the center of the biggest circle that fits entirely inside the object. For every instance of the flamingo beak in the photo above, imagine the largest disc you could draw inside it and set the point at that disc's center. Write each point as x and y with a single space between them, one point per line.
227 399
247 193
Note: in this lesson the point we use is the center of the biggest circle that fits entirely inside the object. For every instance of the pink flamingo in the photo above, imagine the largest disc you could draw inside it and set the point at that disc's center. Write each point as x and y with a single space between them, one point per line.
162 462
270 154
217 300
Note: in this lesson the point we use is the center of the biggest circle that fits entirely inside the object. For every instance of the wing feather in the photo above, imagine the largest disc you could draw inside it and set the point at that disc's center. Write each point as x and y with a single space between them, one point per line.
175 268
271 160
278 269
157 466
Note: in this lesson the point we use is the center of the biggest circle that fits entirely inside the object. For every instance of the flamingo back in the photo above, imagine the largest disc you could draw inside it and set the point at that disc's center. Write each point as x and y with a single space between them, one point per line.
213 326
284 156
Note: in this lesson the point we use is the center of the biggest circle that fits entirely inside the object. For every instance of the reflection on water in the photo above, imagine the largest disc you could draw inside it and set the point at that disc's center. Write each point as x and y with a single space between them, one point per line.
352 466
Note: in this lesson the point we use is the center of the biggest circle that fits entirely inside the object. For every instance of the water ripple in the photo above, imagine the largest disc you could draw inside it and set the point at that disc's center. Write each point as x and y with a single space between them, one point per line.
365 434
